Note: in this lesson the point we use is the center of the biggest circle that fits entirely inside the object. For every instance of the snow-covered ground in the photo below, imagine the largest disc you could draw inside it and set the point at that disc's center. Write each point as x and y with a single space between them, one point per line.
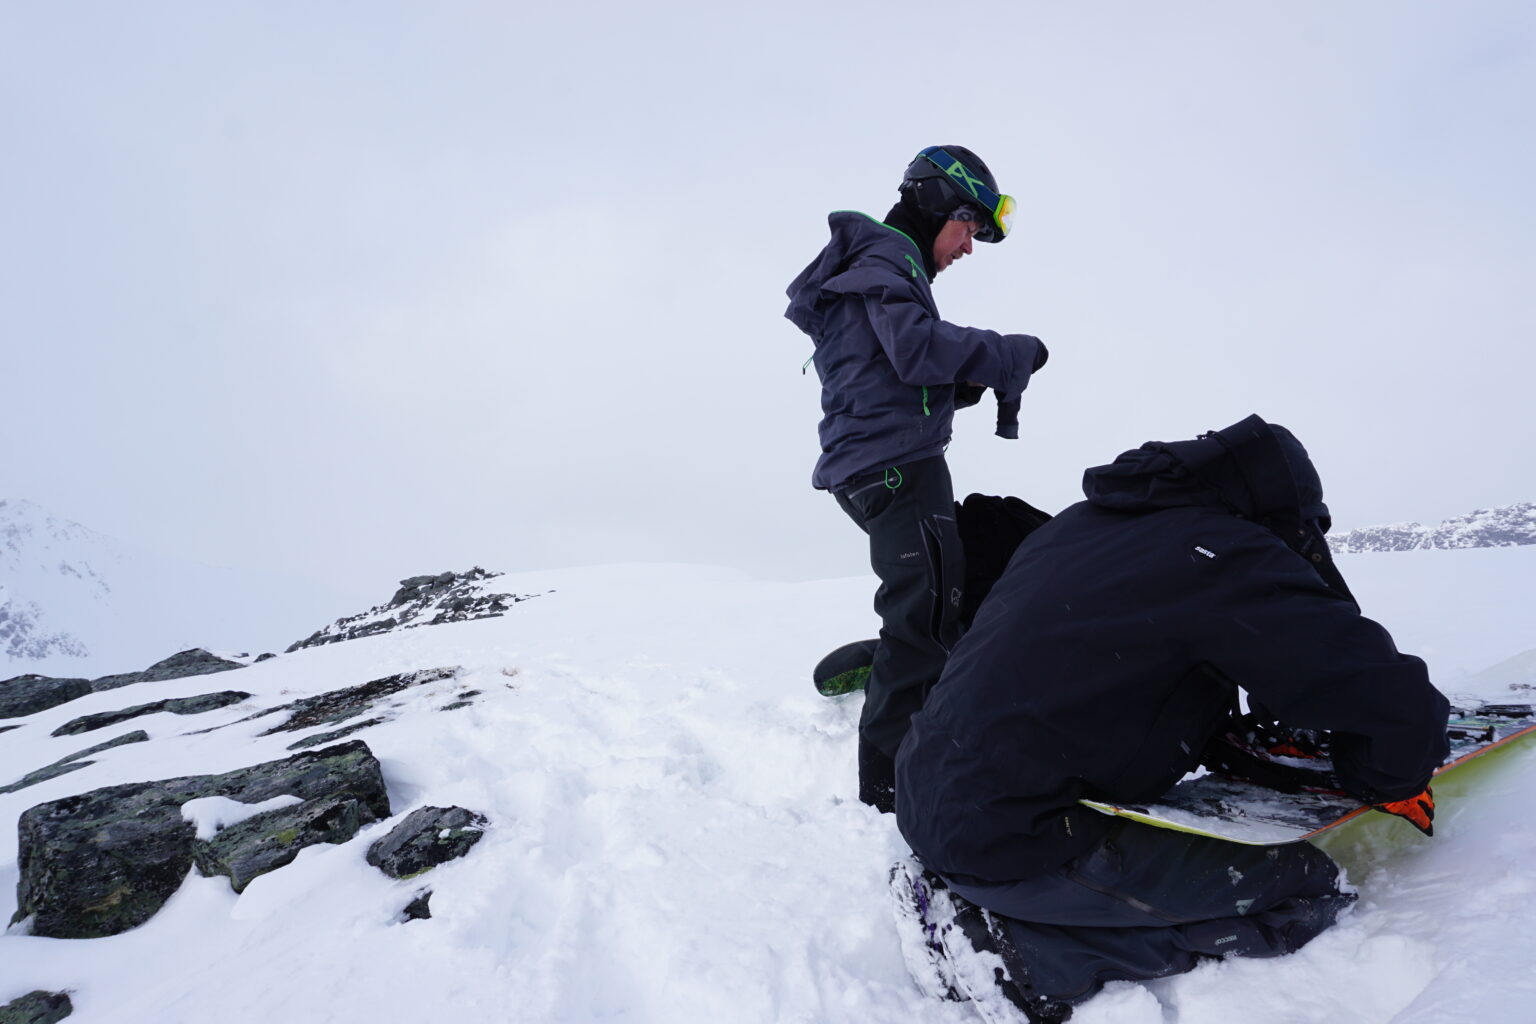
676 837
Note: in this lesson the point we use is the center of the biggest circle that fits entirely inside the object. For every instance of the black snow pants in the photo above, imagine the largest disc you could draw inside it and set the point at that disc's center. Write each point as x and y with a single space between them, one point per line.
1149 902
908 511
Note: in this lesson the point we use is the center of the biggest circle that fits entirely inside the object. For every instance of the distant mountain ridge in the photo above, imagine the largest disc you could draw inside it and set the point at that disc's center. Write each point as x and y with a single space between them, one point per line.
77 603
1510 526
45 561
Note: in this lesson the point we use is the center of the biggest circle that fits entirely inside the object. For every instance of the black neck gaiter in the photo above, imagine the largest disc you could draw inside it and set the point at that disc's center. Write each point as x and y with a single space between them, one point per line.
922 228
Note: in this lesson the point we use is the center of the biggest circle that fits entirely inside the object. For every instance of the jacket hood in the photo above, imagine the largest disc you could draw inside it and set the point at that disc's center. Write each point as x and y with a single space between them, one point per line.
855 236
1253 469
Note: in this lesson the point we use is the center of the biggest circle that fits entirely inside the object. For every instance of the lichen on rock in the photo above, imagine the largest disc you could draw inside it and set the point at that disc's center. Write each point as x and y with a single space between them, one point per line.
38 1007
428 836
103 862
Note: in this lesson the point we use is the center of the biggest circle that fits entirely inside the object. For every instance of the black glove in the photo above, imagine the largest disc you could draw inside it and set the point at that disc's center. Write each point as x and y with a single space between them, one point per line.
877 778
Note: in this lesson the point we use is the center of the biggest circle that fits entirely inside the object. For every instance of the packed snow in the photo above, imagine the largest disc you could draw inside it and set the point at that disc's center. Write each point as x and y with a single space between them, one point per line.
210 815
675 835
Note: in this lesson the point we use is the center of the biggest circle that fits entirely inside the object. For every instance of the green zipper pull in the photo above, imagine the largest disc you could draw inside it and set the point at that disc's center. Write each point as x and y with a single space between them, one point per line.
807 363
925 401
911 261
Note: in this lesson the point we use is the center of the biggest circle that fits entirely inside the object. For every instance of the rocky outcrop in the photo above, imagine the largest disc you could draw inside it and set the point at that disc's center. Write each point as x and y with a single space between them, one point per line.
336 706
266 842
420 908
1510 526
195 662
175 705
29 694
65 765
37 1008
322 738
422 601
344 705
428 836
461 700
103 862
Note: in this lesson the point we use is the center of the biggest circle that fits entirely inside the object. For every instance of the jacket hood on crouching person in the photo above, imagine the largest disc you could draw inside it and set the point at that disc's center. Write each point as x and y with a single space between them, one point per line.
1113 647
1253 469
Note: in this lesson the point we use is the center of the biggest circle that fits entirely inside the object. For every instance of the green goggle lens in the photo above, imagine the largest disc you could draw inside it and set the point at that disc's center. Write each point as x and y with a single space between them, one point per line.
1004 214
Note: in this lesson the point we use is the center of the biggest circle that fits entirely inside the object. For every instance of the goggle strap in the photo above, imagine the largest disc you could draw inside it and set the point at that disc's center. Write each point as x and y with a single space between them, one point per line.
978 190
991 201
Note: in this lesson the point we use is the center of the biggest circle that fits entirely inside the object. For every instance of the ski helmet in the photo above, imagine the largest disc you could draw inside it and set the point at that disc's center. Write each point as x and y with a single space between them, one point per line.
941 179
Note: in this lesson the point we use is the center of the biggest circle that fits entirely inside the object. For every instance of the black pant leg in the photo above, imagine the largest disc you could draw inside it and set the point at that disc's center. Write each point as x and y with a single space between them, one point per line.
1069 964
914 549
1139 876
1147 903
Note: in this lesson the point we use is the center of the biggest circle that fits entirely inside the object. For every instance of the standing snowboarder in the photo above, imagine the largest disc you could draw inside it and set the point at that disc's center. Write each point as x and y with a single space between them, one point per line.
892 374
1106 664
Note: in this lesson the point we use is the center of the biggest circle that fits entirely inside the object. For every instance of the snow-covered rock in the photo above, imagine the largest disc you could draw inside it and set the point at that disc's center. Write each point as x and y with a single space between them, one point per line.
428 837
106 861
30 693
211 815
422 601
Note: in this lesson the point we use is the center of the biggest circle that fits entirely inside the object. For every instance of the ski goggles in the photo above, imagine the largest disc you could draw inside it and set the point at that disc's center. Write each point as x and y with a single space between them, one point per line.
999 207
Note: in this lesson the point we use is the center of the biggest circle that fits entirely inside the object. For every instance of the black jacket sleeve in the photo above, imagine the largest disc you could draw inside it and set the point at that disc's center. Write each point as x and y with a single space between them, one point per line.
1309 655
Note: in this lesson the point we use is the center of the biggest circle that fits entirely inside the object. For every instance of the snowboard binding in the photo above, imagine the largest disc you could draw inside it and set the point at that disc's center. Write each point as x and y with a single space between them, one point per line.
1272 755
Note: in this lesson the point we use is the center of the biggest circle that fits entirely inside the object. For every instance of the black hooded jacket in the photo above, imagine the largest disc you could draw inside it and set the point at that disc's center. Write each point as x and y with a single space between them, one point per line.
1111 650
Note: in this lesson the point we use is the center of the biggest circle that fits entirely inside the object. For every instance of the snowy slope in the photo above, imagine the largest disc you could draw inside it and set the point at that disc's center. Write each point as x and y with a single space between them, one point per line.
675 835
74 602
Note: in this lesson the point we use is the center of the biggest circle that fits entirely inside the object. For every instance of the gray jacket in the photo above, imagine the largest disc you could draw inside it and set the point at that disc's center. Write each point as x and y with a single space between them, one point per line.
888 364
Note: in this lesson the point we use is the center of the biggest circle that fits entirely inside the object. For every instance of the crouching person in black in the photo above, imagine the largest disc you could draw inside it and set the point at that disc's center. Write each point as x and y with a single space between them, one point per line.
1106 658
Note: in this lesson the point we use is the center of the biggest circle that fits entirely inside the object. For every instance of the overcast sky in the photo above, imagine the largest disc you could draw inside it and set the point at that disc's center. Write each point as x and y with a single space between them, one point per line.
371 289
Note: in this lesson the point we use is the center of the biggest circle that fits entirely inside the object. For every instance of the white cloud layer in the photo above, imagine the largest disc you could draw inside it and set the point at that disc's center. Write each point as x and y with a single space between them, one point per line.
377 289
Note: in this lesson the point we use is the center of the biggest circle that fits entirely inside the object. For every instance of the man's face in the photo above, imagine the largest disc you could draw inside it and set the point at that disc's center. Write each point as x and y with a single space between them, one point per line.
954 241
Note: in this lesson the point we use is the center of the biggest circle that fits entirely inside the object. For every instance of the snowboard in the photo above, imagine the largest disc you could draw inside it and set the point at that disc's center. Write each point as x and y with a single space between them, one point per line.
1239 811
845 670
